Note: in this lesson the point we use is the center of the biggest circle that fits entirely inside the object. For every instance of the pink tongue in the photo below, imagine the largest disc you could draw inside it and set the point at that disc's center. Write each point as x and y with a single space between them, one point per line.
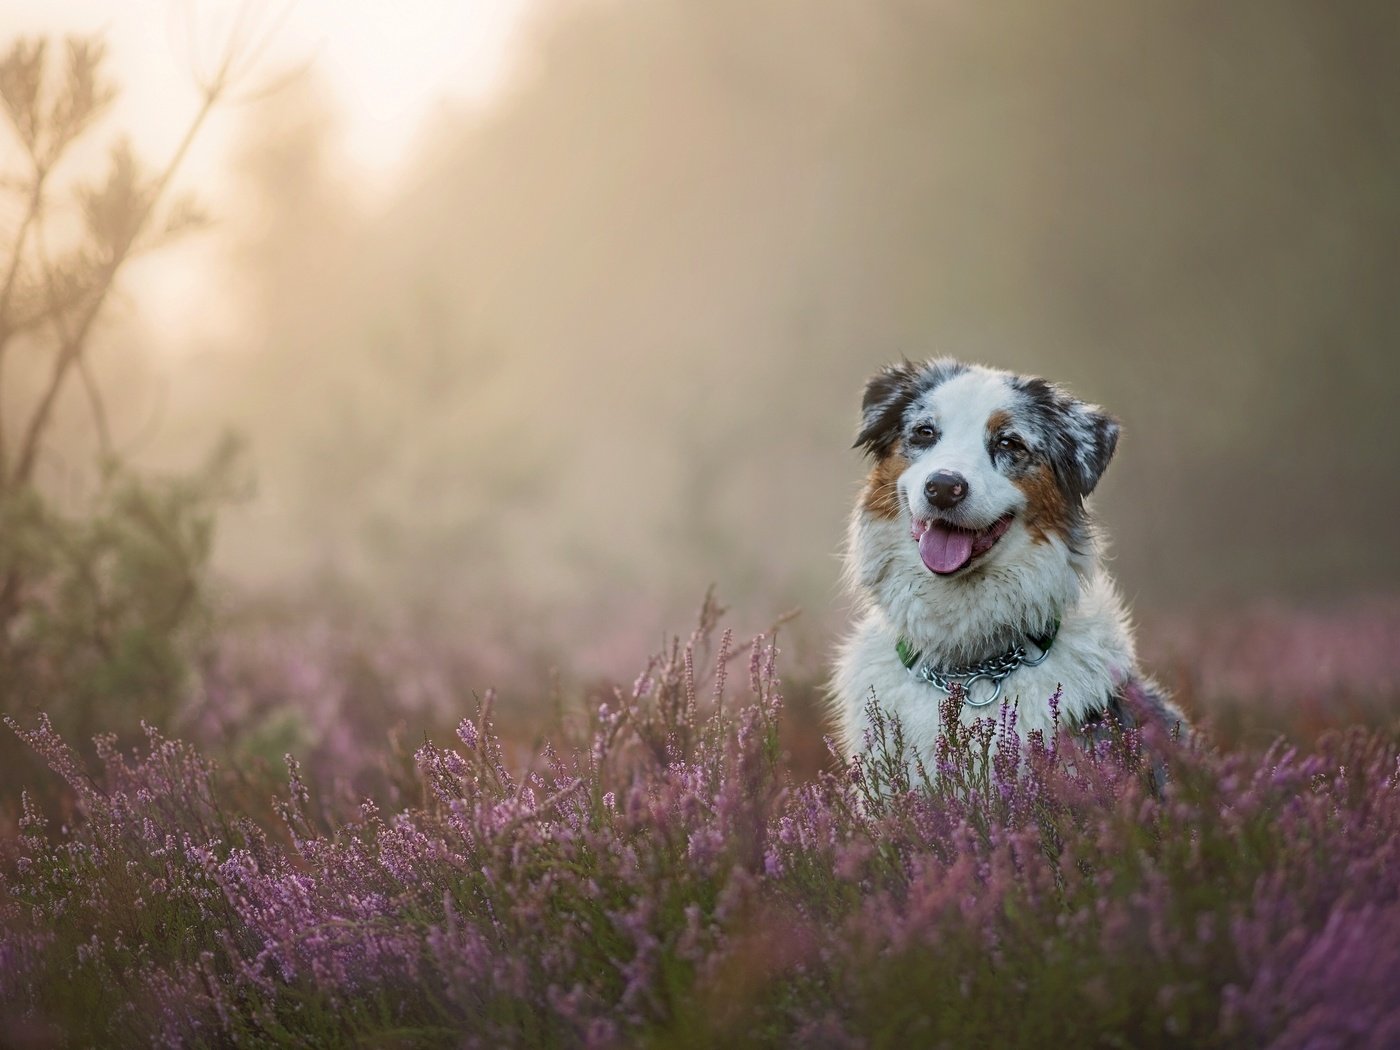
945 550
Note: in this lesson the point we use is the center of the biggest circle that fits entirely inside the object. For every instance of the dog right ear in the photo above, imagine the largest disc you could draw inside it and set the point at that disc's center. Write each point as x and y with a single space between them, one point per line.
887 395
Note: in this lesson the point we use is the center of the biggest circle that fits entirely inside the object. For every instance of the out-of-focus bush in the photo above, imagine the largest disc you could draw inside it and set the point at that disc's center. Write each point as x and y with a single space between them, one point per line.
103 568
1264 670
108 604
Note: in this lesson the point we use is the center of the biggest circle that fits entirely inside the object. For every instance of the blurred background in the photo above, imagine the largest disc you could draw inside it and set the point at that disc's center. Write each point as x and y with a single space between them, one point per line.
537 318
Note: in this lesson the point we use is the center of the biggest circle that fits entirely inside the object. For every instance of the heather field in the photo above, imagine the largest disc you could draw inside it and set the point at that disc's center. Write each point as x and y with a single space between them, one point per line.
671 867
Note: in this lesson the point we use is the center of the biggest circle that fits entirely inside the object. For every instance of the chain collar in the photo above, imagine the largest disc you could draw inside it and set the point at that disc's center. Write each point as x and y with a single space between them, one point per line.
995 669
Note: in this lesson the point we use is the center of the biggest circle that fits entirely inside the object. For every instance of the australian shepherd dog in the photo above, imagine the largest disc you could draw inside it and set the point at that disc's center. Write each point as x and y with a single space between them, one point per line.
976 561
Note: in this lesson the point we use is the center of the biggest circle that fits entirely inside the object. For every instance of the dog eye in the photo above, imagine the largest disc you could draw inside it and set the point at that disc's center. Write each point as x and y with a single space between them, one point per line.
925 432
1012 444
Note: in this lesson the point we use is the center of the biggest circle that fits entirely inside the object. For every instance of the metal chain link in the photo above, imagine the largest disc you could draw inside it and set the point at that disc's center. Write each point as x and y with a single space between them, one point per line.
995 669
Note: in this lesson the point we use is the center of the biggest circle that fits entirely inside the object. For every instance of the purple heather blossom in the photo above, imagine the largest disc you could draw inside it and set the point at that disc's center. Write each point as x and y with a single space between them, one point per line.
660 874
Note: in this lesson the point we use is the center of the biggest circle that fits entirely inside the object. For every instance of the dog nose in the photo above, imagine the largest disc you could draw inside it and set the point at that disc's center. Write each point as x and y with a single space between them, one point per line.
945 490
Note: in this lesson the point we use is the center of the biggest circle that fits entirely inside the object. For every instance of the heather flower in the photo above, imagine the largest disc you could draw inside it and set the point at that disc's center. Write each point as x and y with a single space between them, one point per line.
660 875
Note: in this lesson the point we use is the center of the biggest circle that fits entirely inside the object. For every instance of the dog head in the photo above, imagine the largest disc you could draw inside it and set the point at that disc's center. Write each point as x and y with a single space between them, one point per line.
969 454
979 478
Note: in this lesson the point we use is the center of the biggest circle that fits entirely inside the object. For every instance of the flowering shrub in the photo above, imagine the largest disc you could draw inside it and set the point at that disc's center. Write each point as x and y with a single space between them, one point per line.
660 878
1267 670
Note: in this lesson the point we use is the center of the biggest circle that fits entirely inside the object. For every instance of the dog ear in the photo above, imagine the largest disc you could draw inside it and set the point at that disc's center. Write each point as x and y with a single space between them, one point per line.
1092 437
1080 438
887 395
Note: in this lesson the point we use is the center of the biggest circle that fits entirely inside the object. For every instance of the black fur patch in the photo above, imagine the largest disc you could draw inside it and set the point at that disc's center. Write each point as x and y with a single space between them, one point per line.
888 395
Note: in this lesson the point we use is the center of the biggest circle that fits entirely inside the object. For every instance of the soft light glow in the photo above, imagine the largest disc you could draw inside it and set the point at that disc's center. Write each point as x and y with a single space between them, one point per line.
388 64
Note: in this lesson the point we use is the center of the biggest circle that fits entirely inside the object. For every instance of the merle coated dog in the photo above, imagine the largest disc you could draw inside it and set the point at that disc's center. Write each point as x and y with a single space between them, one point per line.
976 560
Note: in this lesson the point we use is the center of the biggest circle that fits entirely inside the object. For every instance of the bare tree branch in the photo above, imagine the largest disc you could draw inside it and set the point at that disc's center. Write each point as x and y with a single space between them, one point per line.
239 58
31 213
98 406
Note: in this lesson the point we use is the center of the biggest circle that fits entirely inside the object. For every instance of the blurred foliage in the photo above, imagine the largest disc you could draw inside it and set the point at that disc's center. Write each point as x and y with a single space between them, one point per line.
102 584
108 603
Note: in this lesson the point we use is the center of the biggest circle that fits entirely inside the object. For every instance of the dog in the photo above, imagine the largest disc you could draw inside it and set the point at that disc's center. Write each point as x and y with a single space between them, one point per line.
976 562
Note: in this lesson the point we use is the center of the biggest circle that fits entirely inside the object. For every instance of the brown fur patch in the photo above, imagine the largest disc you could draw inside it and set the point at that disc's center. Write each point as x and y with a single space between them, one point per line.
1047 512
997 421
881 496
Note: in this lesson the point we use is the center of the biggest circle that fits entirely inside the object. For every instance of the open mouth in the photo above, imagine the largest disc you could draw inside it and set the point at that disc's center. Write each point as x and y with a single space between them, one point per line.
946 548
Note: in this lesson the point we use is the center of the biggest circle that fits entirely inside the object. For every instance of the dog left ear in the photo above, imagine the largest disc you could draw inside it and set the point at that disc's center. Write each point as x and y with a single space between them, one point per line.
887 395
1092 438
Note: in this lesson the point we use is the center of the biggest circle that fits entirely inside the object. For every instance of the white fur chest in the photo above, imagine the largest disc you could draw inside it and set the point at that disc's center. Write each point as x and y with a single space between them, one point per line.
1091 656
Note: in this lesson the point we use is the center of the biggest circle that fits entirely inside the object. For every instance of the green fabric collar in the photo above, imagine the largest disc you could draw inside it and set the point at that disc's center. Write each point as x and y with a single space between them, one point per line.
909 656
